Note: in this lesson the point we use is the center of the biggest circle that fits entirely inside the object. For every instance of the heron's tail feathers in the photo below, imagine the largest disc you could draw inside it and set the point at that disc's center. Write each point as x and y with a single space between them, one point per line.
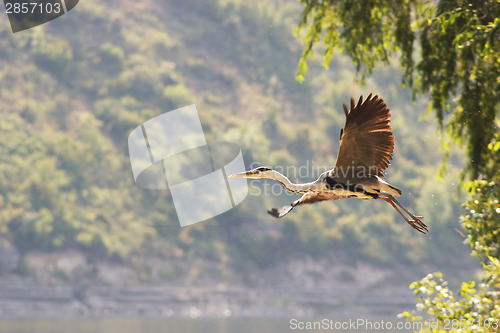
388 188
393 190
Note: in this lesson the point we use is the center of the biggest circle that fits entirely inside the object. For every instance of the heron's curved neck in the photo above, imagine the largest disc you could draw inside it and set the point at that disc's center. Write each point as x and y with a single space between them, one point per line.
289 186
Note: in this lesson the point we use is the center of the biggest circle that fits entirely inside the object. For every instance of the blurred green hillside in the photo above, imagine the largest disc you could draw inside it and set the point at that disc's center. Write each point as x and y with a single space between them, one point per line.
72 90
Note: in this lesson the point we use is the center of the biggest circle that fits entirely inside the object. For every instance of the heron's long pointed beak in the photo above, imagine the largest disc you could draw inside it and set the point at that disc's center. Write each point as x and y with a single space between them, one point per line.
241 175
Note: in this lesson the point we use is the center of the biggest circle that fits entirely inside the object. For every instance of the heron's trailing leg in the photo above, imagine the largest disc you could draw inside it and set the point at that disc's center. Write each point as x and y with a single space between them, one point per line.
414 220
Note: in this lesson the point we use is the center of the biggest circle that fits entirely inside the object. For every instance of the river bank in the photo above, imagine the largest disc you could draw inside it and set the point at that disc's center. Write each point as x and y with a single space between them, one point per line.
20 297
65 285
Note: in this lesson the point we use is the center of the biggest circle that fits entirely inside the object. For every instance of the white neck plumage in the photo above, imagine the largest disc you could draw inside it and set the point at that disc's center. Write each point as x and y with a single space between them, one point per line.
287 184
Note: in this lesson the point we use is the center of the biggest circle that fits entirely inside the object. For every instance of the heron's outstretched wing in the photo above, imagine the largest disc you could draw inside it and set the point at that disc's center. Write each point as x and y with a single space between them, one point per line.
366 142
308 198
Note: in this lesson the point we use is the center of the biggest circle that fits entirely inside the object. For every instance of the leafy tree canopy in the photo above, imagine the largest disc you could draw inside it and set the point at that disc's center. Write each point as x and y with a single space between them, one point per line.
458 65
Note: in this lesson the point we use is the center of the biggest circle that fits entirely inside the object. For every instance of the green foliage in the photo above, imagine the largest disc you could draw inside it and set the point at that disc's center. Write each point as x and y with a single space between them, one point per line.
482 210
460 68
55 57
368 32
111 58
472 310
65 179
476 310
458 65
176 96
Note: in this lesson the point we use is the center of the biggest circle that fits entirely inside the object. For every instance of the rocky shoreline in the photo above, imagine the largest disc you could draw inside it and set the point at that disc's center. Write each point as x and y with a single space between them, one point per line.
66 285
21 298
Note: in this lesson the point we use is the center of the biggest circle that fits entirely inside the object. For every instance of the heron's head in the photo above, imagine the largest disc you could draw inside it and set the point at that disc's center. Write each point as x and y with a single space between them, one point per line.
260 172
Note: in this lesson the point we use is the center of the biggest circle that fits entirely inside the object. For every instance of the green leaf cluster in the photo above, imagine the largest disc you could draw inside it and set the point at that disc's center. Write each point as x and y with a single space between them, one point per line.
473 309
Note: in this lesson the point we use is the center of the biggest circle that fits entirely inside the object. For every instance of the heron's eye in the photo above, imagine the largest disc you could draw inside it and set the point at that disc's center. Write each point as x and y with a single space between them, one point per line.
263 169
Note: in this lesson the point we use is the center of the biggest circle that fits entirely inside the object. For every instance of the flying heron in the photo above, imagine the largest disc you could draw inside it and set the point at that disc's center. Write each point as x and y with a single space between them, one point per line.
366 146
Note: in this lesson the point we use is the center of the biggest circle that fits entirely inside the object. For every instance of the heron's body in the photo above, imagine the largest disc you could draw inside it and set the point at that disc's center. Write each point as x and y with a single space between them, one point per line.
366 146
331 184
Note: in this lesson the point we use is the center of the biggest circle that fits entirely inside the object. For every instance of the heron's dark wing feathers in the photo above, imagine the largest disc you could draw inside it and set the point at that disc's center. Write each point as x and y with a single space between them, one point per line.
307 198
366 142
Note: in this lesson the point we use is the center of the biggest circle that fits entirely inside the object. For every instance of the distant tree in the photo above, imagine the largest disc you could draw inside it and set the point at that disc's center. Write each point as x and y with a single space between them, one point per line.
459 66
